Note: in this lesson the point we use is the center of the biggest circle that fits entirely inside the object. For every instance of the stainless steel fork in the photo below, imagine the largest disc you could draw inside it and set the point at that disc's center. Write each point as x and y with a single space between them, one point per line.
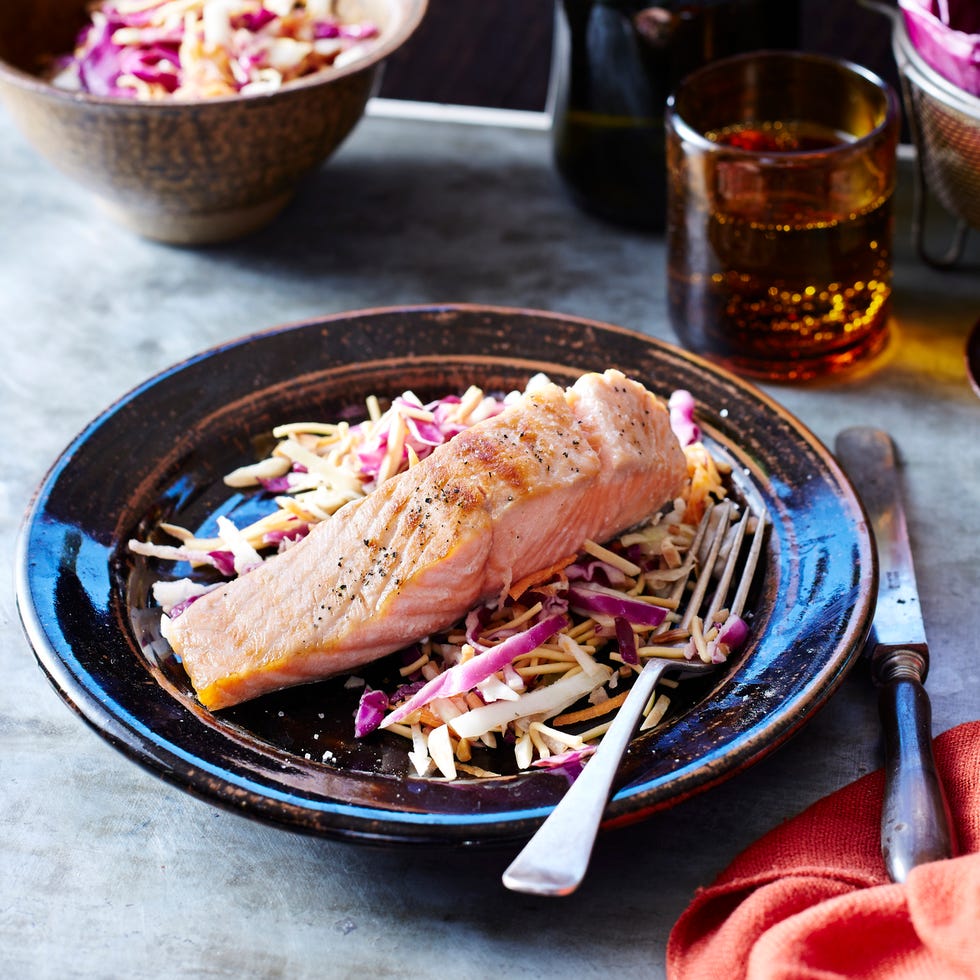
555 860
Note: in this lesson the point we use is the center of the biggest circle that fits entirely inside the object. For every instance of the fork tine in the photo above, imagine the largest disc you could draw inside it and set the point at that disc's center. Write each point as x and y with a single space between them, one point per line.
728 572
719 520
748 569
680 585
556 858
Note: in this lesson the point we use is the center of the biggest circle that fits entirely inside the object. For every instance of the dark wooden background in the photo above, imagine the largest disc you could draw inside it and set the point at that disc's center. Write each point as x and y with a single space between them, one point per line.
497 53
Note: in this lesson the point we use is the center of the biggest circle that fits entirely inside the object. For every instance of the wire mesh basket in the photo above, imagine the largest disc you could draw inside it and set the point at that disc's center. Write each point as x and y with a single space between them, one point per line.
945 124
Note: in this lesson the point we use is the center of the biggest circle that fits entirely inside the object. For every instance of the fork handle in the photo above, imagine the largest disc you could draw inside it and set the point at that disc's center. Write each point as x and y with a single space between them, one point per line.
556 858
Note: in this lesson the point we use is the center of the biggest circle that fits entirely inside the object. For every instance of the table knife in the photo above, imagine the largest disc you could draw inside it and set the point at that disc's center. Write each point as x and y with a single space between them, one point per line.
915 820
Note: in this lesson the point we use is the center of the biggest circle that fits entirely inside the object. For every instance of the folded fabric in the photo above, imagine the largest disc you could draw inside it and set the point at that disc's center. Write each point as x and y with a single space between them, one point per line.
812 899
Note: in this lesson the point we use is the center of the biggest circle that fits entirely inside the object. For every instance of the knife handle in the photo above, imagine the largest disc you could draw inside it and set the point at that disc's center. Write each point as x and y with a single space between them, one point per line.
915 819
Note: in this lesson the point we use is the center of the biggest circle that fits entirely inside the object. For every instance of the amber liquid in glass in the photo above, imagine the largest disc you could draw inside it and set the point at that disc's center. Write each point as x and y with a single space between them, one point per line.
795 289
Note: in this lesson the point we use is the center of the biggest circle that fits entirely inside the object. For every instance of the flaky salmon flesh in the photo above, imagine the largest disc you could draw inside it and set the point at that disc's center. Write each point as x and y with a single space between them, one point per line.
510 496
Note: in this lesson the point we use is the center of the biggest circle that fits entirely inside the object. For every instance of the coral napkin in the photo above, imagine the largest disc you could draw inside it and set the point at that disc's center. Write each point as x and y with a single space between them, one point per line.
812 898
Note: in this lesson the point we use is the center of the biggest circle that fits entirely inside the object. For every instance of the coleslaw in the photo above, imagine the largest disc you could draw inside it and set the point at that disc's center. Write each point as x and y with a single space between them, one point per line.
152 50
512 675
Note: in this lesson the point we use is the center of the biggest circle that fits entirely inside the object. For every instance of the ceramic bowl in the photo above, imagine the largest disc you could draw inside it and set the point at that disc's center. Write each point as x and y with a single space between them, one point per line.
195 171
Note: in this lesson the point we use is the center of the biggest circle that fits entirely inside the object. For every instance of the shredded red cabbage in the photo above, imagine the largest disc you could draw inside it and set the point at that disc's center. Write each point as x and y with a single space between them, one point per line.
406 691
424 435
181 606
681 407
627 641
358 32
275 484
370 711
595 599
731 635
593 570
255 20
101 66
461 677
571 762
224 562
292 534
946 33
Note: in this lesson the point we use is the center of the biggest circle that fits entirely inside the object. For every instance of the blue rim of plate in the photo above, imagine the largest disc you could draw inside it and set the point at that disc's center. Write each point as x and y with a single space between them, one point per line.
159 454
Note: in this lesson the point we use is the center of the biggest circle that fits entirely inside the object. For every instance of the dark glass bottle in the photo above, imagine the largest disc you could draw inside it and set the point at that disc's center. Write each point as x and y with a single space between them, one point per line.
616 61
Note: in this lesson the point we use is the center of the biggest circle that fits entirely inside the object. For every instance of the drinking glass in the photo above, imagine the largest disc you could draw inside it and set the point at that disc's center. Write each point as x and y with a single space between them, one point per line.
781 170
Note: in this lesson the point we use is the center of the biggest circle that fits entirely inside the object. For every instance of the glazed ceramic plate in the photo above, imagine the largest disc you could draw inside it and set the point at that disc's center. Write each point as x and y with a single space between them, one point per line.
291 758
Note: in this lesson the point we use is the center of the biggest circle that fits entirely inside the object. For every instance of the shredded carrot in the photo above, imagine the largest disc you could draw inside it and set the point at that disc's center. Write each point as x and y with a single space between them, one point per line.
705 482
521 586
428 717
595 711
477 771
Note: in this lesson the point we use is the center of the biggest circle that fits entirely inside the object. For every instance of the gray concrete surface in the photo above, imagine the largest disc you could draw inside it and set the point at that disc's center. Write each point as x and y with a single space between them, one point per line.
106 871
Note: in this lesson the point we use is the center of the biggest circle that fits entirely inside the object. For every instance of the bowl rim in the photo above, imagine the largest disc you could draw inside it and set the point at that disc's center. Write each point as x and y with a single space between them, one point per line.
414 12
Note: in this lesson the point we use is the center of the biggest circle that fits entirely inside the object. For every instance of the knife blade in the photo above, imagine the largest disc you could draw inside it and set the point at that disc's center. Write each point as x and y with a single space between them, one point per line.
915 821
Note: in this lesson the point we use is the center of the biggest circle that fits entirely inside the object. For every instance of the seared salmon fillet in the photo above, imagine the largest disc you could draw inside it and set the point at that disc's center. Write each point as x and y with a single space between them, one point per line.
512 495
